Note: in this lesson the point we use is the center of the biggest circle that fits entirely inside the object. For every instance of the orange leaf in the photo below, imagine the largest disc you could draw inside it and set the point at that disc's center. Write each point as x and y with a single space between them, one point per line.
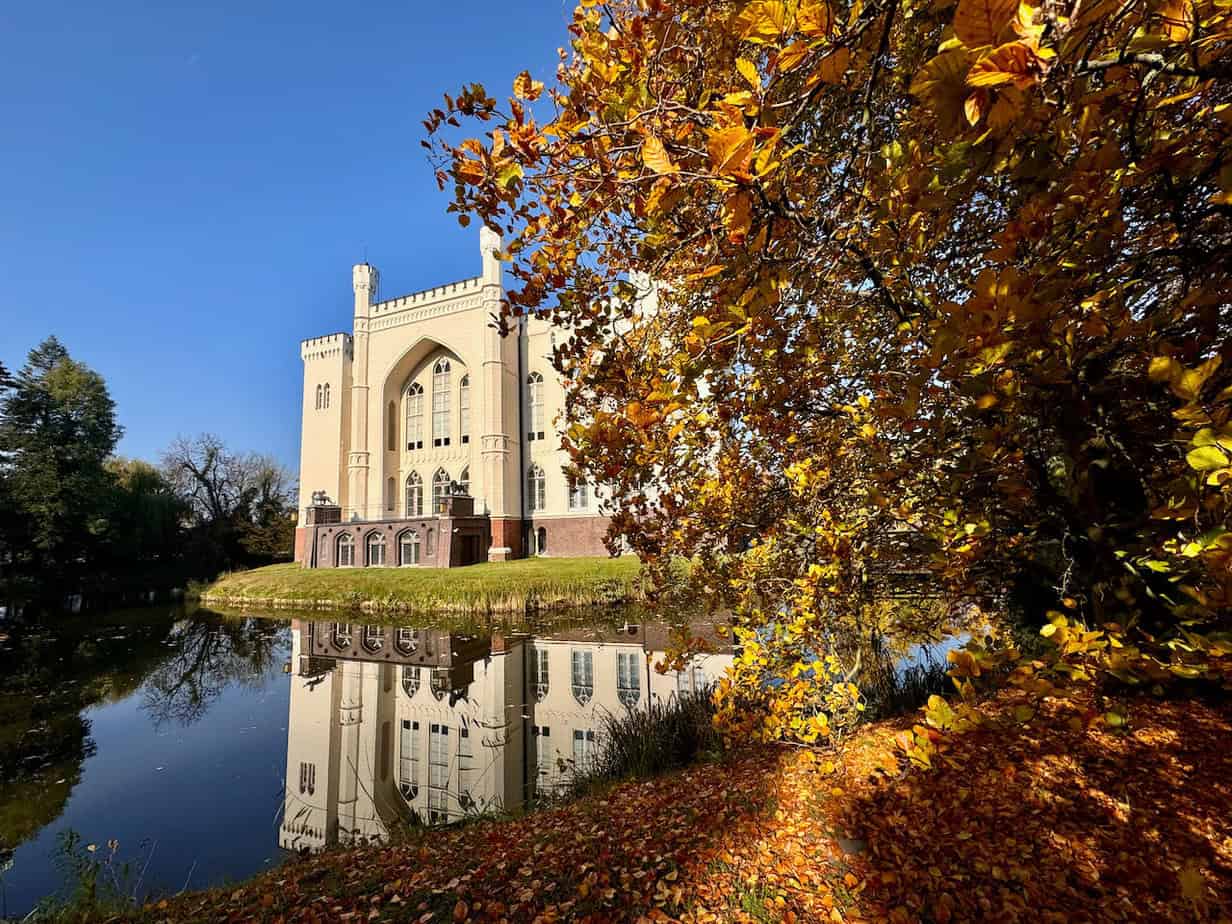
815 19
979 22
730 149
834 65
524 87
1012 62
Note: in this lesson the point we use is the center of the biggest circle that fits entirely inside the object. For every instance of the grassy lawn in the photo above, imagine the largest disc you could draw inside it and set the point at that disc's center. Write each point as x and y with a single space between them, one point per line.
497 587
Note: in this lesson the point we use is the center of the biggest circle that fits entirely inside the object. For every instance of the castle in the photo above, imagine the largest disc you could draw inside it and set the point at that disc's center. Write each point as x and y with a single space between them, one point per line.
429 439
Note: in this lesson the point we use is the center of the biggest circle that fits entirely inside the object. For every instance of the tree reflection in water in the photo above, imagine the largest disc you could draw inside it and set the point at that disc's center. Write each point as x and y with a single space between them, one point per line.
208 653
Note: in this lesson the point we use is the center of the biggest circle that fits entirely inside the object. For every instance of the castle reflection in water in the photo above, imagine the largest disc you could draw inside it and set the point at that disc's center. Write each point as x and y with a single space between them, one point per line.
393 725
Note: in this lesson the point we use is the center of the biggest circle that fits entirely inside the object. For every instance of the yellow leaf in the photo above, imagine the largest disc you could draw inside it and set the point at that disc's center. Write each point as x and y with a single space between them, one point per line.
1013 63
763 20
1163 369
980 22
748 70
1176 20
738 216
941 85
655 156
730 149
790 57
1206 458
524 87
815 19
1189 383
974 107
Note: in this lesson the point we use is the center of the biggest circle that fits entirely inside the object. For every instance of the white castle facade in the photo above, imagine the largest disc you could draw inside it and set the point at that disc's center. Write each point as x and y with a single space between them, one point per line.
428 438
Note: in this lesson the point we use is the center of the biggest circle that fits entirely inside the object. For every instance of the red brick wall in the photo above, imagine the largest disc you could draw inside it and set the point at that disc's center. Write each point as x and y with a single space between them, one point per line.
569 537
508 534
303 542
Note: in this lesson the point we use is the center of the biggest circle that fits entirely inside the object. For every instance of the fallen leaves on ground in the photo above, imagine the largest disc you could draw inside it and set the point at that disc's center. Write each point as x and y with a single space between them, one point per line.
1056 820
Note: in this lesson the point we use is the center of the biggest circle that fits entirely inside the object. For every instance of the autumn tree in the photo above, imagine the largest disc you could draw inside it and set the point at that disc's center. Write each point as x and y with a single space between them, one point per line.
937 286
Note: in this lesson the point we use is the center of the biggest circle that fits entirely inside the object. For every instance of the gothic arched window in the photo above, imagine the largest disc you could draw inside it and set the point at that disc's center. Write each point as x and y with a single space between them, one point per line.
319 394
376 550
414 416
408 548
464 481
346 551
440 403
534 395
440 490
464 409
325 396
536 488
414 495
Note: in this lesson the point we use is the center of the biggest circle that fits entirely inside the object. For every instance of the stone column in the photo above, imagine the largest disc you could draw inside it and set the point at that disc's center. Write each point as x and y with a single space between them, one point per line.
495 443
365 280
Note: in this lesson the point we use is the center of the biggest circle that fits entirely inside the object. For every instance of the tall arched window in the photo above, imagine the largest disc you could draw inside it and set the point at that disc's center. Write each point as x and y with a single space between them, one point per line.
577 495
376 550
536 488
346 551
440 403
464 409
408 548
320 392
414 416
440 490
534 395
464 481
391 428
542 543
391 494
325 396
414 495
430 543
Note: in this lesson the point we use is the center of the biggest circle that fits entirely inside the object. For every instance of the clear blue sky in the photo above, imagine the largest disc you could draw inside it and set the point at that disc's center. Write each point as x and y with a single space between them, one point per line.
184 187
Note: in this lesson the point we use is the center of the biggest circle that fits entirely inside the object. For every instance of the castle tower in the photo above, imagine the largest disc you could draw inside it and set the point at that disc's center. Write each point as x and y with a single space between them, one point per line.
500 390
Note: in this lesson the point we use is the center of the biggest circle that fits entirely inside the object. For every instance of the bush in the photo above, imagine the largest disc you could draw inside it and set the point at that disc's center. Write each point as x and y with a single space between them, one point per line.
640 743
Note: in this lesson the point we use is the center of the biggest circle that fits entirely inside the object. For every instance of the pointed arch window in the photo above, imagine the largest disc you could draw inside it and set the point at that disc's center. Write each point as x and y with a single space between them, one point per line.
408 548
440 403
406 642
346 551
320 393
408 753
325 396
430 544
342 635
375 546
534 395
440 490
410 680
582 679
464 481
464 409
539 665
415 417
628 678
536 488
374 637
391 494
414 495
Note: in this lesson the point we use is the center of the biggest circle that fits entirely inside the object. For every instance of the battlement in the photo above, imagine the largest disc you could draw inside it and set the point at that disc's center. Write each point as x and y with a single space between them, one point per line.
427 296
326 346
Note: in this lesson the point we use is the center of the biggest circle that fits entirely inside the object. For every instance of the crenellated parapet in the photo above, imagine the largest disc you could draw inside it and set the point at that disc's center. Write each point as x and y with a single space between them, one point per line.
429 296
325 347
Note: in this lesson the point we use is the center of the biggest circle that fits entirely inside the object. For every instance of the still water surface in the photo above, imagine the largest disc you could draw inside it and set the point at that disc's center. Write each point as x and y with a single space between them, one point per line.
208 746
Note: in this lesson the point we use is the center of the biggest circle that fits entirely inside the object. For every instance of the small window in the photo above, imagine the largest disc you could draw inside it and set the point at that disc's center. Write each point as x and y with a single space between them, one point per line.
577 495
406 641
536 488
408 758
543 541
319 397
342 635
430 545
391 427
583 676
534 395
414 417
376 550
464 409
391 494
583 749
346 551
543 751
307 779
414 495
325 396
539 664
440 403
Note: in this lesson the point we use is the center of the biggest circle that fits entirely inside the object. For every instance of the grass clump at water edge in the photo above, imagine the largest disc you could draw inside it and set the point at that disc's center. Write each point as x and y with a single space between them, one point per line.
531 584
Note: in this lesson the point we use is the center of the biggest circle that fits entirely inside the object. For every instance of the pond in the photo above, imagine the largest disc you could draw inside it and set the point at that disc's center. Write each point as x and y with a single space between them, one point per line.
209 746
